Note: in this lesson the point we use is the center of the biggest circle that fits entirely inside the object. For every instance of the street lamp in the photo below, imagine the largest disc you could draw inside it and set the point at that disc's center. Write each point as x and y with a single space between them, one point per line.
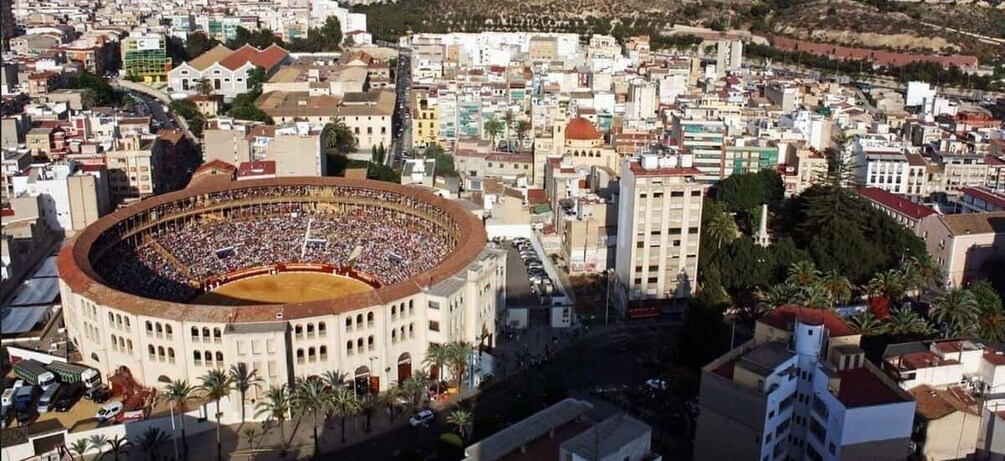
607 301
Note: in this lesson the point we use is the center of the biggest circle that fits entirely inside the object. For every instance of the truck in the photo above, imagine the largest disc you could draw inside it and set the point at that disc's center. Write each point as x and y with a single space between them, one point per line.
24 400
47 399
33 372
70 373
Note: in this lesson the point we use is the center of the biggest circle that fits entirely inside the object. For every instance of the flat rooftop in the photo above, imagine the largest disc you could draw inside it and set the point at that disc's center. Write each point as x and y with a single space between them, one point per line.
765 358
860 387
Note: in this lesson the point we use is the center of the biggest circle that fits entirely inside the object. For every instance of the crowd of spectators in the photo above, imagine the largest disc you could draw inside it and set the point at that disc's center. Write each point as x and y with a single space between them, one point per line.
173 259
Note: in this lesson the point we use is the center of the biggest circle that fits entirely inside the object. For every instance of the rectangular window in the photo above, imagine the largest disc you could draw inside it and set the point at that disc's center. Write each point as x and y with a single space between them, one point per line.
818 430
256 346
434 305
820 408
273 369
240 348
270 345
434 325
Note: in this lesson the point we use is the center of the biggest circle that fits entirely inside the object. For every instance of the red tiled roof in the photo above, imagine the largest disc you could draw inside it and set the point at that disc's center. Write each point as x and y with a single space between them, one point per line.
537 197
264 168
895 202
580 128
861 388
926 359
215 164
637 170
993 358
784 316
985 195
266 59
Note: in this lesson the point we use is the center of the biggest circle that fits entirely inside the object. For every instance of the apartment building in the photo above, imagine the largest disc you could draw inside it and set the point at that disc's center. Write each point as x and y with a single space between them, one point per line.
425 118
961 170
294 147
801 389
962 243
705 140
145 56
981 200
71 195
132 169
659 224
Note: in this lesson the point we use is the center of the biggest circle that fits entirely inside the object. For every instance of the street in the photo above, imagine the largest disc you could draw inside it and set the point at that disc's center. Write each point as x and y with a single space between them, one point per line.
402 126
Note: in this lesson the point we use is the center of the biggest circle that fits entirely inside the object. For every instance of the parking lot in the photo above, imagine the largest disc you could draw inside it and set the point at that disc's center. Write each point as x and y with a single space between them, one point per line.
520 291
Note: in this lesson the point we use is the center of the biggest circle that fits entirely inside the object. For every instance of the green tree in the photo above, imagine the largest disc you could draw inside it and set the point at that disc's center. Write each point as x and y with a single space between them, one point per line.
338 137
436 358
458 354
344 404
416 387
331 34
391 400
312 396
80 448
721 229
986 296
151 440
956 312
100 92
866 324
778 295
888 284
276 406
905 322
444 161
991 319
203 86
838 287
119 446
256 77
522 128
244 378
216 384
803 273
493 128
335 379
178 393
462 420
184 108
98 442
198 43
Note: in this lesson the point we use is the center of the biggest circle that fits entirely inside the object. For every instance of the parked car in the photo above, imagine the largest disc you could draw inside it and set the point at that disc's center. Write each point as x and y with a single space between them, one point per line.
69 397
109 411
99 394
422 418
656 384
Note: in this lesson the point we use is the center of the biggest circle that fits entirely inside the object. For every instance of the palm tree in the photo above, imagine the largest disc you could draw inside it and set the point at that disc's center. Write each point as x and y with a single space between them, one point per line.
930 274
991 325
391 399
311 395
906 322
416 387
493 128
458 353
335 378
802 273
777 295
461 419
80 447
339 136
436 358
721 228
522 128
179 392
203 87
276 405
244 378
119 446
249 434
216 384
98 442
956 312
888 284
813 296
837 286
345 404
368 406
151 440
866 324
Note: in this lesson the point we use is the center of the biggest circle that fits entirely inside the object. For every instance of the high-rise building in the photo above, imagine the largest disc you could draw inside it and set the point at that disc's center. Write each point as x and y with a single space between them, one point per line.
728 56
145 57
704 138
801 389
659 224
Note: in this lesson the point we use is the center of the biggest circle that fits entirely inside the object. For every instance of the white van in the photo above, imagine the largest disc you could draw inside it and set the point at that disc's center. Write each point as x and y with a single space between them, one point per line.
8 397
48 398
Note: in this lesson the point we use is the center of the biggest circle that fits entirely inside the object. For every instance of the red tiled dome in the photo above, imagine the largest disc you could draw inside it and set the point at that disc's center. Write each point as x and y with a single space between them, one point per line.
582 129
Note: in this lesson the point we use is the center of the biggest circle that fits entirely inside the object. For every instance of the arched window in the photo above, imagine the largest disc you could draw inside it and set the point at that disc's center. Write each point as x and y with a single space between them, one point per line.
411 330
323 352
118 319
168 330
348 323
359 319
394 335
126 321
402 308
411 307
402 332
217 334
150 350
298 330
322 330
160 351
205 333
150 327
369 343
122 343
369 318
312 354
219 359
111 317
129 345
300 356
310 329
115 344
209 356
171 354
359 344
348 347
197 356
195 334
394 310
160 329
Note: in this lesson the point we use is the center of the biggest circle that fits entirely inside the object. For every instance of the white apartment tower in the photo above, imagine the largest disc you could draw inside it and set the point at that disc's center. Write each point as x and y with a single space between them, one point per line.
728 57
801 389
659 224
